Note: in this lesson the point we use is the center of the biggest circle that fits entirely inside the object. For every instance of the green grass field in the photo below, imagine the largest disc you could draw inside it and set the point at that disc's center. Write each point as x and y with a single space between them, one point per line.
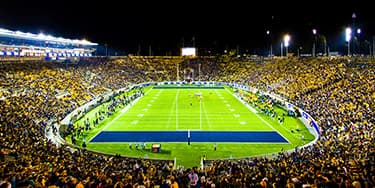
184 109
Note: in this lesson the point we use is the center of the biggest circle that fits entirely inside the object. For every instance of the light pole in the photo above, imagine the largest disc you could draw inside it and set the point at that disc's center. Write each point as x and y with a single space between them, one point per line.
348 35
325 45
286 43
359 41
313 49
299 50
367 44
178 76
354 16
199 72
270 41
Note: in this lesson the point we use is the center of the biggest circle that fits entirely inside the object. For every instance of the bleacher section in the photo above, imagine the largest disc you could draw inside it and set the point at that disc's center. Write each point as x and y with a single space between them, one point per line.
338 93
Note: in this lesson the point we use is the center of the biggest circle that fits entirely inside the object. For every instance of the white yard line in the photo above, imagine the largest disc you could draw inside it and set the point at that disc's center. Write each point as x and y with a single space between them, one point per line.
207 119
170 115
264 121
119 115
200 110
177 109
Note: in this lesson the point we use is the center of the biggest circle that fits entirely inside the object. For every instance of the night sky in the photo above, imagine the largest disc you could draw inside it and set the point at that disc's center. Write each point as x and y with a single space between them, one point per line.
133 26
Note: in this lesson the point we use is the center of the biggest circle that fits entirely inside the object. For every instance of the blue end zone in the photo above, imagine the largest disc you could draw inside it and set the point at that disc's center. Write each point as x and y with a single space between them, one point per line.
195 136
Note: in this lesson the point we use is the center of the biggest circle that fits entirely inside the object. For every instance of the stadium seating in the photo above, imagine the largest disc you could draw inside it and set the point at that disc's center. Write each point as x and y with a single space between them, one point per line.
338 93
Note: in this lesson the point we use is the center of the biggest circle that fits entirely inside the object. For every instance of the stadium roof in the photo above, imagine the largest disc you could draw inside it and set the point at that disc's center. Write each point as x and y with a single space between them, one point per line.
42 37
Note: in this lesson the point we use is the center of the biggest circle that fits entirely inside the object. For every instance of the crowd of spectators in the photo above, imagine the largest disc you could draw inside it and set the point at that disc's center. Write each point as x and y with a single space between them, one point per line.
338 93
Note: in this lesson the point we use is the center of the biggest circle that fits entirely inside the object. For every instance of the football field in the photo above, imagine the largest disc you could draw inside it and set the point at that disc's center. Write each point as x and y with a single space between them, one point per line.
189 123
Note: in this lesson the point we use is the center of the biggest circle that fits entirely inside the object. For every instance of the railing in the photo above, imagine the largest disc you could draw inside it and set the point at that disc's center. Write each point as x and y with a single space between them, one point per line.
308 121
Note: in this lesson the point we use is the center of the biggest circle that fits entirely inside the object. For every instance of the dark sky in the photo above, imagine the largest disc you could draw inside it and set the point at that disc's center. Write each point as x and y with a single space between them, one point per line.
130 25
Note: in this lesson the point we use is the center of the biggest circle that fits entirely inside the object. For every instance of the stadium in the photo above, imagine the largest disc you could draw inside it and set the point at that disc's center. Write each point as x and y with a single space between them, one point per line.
72 117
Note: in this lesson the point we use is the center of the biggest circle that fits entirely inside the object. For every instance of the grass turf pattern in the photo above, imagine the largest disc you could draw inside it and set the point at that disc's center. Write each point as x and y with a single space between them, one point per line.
199 111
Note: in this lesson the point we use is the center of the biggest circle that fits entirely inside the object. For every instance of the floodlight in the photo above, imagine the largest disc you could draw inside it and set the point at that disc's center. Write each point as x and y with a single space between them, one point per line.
286 40
41 36
348 34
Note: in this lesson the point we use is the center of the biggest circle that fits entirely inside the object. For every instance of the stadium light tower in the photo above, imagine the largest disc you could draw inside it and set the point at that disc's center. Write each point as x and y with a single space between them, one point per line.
354 16
348 35
314 43
268 32
286 43
359 31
